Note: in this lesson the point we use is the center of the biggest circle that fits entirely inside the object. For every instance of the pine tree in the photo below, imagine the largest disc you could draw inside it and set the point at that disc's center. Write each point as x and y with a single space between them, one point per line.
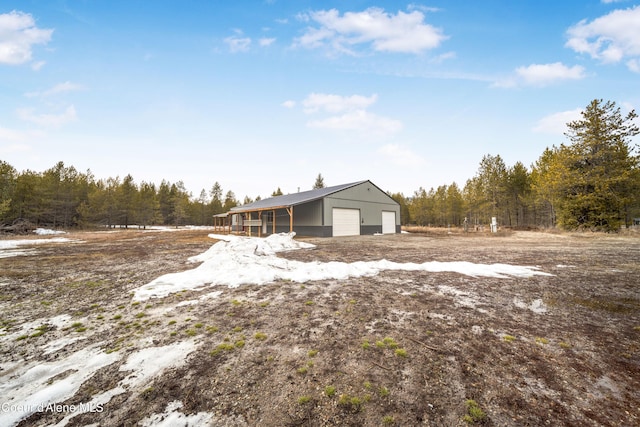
319 182
8 175
600 168
216 198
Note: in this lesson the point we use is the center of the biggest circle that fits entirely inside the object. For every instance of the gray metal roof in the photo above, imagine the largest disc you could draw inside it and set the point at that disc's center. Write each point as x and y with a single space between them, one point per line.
292 199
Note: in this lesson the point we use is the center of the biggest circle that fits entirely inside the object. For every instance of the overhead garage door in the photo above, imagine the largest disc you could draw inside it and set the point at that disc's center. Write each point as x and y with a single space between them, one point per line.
388 222
346 222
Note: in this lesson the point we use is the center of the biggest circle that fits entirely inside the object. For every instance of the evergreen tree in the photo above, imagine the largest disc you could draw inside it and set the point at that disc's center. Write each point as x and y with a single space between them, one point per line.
148 208
278 192
517 192
419 207
405 216
546 174
216 199
455 205
8 175
127 196
319 182
229 201
165 202
180 203
600 168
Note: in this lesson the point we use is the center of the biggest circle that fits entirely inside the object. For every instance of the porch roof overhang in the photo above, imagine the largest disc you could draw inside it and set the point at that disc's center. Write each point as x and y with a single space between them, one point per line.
240 210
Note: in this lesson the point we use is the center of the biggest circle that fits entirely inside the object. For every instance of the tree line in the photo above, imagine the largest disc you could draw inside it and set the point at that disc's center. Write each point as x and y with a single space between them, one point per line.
592 182
64 197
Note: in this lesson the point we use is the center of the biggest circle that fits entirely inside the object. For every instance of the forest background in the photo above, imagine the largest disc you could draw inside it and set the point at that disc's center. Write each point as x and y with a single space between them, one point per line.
590 183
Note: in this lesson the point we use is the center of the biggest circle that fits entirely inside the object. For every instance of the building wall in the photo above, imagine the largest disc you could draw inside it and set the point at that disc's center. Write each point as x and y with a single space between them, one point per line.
309 214
369 199
307 220
316 218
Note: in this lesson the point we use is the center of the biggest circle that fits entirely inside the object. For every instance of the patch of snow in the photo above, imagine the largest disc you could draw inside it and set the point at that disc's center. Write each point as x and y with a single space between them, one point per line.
171 417
56 345
238 260
608 386
9 248
462 298
537 305
47 232
157 228
33 389
148 362
9 253
143 366
204 297
59 322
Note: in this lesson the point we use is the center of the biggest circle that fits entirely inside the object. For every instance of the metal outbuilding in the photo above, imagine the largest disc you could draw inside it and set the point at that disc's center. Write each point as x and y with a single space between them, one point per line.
342 210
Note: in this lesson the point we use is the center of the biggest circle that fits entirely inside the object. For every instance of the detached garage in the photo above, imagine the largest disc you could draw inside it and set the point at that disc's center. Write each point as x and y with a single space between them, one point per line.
342 210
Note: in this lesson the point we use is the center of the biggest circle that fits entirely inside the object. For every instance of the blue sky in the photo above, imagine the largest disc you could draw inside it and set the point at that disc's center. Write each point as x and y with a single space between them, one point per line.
264 94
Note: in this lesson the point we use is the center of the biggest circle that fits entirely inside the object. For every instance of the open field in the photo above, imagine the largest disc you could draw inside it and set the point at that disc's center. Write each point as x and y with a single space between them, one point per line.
401 348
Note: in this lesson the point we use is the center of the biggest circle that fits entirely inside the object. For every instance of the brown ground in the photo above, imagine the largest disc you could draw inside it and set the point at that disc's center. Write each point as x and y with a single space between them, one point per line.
463 338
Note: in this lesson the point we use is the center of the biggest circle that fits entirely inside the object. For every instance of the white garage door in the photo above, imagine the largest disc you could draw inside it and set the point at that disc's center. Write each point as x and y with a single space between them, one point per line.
388 222
346 222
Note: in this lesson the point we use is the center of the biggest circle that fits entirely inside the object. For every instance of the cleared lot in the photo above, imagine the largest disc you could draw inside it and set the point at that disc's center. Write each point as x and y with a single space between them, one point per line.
398 347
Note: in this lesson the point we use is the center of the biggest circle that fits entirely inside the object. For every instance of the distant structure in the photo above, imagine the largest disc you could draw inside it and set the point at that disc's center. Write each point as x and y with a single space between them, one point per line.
342 210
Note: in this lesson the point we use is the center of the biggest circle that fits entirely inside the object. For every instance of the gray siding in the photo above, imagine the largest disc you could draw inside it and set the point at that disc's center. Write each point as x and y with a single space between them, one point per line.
315 217
369 199
308 214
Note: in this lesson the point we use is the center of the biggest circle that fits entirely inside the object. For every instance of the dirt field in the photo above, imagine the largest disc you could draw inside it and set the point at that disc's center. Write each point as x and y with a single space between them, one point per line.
399 348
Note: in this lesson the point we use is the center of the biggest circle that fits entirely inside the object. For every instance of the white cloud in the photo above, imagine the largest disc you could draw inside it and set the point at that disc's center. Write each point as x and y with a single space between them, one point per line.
336 103
634 65
62 87
264 42
358 120
237 43
48 120
414 6
18 34
384 32
59 88
400 156
348 113
542 75
12 148
443 57
14 135
36 66
556 124
609 38
289 103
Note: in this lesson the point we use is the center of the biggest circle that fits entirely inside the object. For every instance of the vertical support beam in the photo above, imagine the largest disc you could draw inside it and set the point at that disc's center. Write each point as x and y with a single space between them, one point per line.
290 212
273 222
249 224
260 227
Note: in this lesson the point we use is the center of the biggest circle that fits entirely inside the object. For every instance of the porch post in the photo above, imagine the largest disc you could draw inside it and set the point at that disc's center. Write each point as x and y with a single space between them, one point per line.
290 212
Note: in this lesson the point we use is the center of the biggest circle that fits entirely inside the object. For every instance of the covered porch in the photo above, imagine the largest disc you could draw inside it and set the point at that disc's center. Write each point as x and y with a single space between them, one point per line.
256 221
